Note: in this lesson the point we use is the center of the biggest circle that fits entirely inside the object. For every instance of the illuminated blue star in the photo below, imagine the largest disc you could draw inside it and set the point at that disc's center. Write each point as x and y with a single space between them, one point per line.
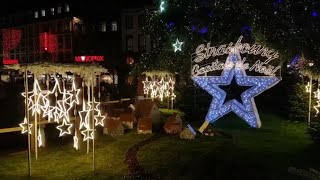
177 45
247 109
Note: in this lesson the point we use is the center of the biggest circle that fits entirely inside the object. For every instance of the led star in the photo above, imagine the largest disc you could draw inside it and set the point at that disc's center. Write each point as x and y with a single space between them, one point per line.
88 134
75 142
316 107
75 92
308 88
247 109
39 138
177 45
99 120
317 94
162 6
83 118
64 128
24 126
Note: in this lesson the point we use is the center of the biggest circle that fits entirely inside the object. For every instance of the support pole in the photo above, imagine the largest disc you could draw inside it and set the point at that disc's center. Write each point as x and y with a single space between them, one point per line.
88 140
310 93
92 117
35 120
27 116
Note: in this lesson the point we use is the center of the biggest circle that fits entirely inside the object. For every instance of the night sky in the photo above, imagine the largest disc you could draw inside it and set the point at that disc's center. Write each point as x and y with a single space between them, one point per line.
19 5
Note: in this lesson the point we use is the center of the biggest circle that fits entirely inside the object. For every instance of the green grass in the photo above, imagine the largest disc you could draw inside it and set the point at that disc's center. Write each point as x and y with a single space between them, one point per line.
264 153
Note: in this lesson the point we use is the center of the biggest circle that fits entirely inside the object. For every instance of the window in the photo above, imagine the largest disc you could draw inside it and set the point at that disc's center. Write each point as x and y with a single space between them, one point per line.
129 43
114 26
67 42
141 20
36 14
142 43
43 12
66 8
59 9
103 27
52 11
129 22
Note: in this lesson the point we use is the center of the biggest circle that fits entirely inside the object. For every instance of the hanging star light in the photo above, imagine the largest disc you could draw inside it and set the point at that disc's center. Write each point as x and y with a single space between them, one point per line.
308 87
247 109
64 128
99 119
316 107
75 142
159 89
75 92
40 143
83 118
177 45
162 4
24 126
88 134
317 93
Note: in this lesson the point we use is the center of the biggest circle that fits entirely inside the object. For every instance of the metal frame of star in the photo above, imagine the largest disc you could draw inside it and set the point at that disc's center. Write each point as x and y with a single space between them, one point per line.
247 109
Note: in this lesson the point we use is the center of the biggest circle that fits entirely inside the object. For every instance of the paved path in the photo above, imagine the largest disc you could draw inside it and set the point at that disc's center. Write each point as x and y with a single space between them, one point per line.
131 158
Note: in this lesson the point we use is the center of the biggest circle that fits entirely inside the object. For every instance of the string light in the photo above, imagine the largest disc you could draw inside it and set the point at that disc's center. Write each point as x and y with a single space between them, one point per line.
247 109
159 89
24 126
177 45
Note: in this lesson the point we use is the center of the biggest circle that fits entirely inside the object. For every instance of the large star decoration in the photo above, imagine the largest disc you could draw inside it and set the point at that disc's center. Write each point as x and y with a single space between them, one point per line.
247 109
177 45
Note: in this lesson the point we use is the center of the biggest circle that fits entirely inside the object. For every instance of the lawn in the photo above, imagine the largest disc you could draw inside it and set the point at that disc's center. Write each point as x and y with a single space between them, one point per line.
264 153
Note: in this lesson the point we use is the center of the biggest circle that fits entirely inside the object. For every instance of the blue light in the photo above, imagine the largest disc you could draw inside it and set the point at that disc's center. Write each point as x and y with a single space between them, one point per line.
314 13
170 24
210 14
246 30
203 30
247 110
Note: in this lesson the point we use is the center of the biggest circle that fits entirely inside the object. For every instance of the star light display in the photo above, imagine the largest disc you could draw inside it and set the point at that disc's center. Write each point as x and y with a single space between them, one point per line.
177 45
247 109
64 128
99 119
159 88
24 126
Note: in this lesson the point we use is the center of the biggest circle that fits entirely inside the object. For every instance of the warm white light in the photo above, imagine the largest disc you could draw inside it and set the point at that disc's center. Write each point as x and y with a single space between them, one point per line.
308 88
64 131
75 142
24 126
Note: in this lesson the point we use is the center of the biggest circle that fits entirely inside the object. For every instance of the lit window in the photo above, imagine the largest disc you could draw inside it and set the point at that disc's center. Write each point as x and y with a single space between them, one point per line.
129 43
52 11
114 26
36 14
103 27
66 8
43 12
59 9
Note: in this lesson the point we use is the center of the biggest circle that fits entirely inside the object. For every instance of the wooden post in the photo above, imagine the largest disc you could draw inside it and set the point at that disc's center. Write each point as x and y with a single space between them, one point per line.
92 117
